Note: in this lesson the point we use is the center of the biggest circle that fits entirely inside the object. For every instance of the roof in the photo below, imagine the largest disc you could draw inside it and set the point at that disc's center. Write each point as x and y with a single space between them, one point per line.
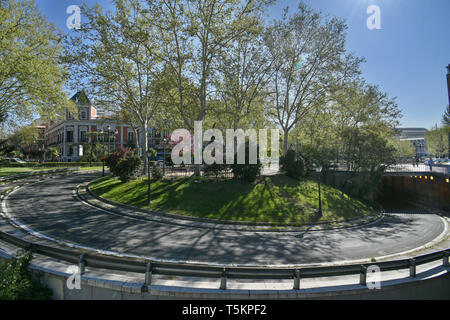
81 97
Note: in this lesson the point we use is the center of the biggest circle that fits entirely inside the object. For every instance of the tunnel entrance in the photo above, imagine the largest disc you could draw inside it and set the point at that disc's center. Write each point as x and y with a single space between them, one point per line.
408 192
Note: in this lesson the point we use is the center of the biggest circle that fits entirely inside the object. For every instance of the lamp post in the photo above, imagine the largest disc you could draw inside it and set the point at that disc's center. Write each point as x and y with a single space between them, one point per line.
164 157
319 170
149 156
103 153
109 144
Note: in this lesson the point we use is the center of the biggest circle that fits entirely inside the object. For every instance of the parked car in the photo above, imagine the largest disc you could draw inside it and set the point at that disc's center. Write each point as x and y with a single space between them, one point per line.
12 160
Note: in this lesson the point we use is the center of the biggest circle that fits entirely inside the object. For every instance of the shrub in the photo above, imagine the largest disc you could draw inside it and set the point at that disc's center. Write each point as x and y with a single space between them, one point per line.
89 158
156 171
113 159
293 165
246 172
128 168
16 282
215 169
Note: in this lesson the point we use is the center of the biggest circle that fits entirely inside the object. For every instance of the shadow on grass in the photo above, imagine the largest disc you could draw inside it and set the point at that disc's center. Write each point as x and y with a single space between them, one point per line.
277 199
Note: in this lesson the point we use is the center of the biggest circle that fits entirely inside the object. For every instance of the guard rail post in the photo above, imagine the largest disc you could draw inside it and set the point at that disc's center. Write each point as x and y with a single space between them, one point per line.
445 258
297 279
412 268
223 280
363 275
82 264
148 274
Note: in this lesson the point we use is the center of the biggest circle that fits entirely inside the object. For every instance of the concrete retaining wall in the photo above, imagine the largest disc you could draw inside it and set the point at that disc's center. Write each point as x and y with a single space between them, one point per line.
94 289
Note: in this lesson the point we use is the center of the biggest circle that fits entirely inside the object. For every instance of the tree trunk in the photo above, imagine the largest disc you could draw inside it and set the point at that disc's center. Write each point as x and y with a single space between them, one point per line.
145 148
285 142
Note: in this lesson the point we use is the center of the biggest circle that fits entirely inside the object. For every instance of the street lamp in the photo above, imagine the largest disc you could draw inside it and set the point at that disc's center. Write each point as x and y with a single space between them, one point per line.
149 156
109 144
164 157
103 153
319 170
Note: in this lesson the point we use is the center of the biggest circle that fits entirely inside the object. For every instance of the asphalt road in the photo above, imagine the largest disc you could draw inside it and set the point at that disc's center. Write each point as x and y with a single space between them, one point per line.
51 208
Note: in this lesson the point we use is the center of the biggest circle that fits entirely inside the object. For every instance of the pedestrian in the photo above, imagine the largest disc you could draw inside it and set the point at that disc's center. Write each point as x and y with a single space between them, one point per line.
431 163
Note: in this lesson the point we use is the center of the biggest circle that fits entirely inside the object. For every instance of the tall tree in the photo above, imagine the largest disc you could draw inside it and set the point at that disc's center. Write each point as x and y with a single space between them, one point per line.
195 35
404 148
446 123
31 75
118 56
362 110
24 140
437 141
244 73
309 59
446 117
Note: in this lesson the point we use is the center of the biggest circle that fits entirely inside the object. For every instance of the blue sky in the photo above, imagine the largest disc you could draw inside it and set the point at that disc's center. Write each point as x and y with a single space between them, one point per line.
406 57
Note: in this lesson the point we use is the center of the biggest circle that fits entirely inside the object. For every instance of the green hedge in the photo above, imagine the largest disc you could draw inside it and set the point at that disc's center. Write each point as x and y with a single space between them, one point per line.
50 164
17 283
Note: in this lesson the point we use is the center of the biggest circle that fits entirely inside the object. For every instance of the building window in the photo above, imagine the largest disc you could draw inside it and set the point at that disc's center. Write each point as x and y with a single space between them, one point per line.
83 136
69 135
83 115
130 137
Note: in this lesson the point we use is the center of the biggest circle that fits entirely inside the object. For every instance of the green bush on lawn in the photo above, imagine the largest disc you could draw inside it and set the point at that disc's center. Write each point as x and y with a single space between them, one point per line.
17 283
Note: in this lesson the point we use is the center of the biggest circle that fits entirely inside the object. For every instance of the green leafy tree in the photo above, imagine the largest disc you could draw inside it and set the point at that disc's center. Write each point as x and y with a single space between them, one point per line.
437 141
31 76
242 86
53 153
446 117
309 59
404 148
25 140
195 36
446 123
118 55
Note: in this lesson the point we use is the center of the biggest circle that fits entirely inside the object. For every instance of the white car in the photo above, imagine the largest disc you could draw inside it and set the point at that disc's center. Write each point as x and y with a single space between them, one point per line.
14 160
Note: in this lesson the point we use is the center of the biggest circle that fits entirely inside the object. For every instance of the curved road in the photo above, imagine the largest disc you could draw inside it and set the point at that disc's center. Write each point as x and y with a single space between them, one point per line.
51 208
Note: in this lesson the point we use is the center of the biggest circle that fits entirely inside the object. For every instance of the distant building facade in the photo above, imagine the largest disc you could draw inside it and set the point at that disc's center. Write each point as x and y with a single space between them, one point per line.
93 125
76 131
417 137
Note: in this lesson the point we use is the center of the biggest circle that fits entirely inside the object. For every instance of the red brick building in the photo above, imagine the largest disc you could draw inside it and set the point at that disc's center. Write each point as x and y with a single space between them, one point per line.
72 135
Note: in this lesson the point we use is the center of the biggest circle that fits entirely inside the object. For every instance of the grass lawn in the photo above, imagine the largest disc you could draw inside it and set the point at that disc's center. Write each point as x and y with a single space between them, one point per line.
277 199
92 168
9 171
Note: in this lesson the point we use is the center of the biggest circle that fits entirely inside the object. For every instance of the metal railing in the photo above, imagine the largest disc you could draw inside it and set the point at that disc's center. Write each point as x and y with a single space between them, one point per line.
88 259
422 168
189 170
404 168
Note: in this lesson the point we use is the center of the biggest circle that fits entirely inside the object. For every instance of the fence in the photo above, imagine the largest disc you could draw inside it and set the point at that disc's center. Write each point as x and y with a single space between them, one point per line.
87 259
173 171
404 168
441 169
